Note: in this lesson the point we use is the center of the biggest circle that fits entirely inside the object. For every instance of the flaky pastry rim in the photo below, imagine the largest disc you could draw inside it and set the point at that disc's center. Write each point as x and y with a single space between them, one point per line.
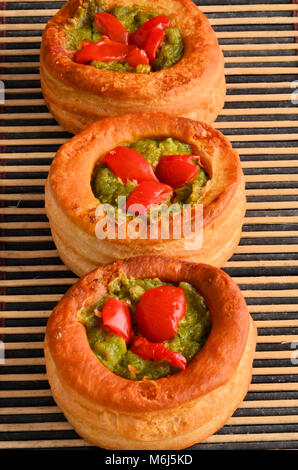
202 56
212 367
72 168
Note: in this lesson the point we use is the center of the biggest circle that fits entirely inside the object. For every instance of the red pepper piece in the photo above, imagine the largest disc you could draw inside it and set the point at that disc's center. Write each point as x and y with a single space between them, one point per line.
159 311
108 24
128 164
116 317
177 170
147 194
105 51
140 36
156 351
153 43
137 57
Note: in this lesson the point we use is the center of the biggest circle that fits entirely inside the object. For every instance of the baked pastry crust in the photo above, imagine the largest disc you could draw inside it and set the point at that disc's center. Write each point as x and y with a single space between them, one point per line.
168 413
71 205
78 94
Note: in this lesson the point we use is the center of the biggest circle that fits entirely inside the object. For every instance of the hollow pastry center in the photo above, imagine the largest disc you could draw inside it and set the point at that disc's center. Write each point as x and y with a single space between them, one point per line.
169 163
119 354
142 53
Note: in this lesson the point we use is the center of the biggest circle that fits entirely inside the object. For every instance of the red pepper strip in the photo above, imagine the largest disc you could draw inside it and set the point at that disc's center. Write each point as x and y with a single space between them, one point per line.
153 43
104 51
156 351
176 170
128 164
137 57
159 311
140 36
108 24
146 194
116 317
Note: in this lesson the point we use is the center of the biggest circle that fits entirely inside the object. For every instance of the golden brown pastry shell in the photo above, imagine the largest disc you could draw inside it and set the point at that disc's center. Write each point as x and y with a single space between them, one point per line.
71 204
79 94
168 413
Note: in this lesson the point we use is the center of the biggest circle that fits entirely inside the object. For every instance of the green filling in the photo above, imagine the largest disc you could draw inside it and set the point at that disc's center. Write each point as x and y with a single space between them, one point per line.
132 18
76 35
190 193
112 351
82 27
107 187
171 51
113 65
120 66
154 149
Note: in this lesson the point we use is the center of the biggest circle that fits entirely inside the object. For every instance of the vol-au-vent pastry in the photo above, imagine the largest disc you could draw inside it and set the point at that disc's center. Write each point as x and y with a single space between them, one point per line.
150 171
102 58
150 353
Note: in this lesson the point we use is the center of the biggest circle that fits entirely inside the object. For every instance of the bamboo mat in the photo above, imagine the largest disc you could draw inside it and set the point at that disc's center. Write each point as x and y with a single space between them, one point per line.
259 40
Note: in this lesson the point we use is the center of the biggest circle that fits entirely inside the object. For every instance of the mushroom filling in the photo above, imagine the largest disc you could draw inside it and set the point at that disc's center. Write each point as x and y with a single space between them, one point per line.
118 348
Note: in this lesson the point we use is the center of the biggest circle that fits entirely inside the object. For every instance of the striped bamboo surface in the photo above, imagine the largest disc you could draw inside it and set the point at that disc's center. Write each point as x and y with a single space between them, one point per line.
259 40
